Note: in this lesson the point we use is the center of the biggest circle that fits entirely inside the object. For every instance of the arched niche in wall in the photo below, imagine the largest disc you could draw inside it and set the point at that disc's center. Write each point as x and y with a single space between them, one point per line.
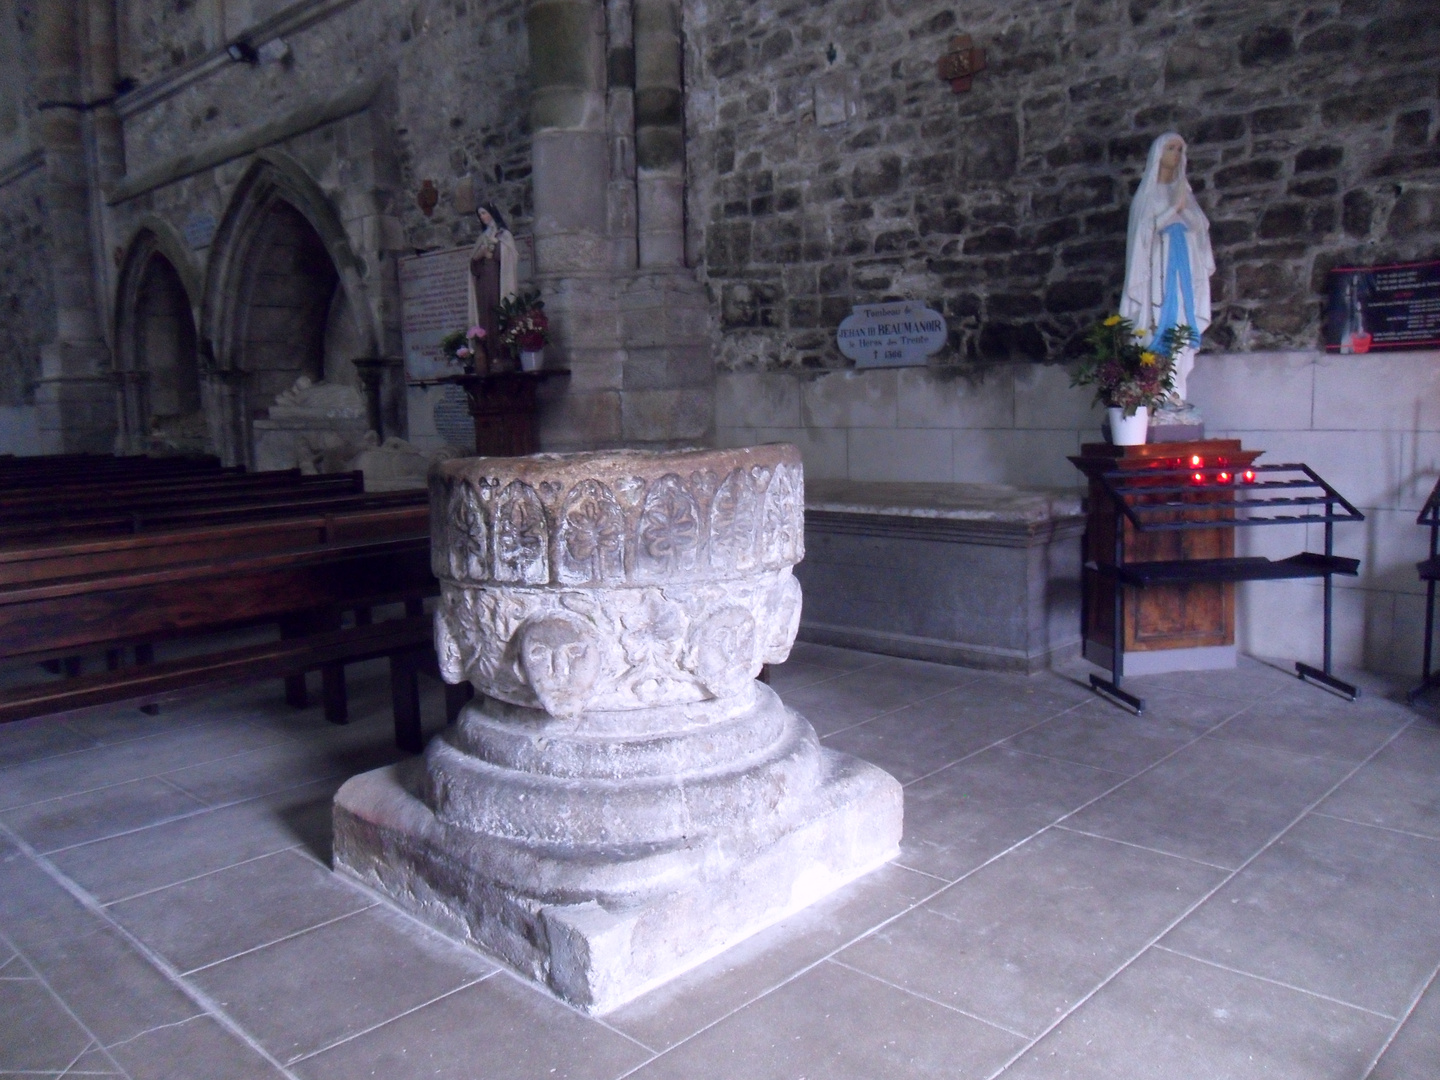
161 403
284 297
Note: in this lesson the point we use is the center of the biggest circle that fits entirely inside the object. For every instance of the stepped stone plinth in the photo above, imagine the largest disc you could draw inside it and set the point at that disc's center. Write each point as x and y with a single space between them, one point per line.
623 798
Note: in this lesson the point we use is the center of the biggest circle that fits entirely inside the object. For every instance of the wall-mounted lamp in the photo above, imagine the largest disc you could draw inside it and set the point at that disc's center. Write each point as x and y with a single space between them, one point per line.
242 52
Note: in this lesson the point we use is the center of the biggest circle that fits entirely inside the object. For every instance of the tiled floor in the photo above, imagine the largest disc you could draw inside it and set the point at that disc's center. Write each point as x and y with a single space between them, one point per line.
1244 882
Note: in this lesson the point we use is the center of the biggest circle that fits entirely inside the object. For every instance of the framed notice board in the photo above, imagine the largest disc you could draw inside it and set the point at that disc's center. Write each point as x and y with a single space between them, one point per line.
1383 308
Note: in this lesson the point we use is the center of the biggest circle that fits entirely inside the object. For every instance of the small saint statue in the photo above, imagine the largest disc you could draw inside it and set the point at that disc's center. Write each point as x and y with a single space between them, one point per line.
1168 263
494 266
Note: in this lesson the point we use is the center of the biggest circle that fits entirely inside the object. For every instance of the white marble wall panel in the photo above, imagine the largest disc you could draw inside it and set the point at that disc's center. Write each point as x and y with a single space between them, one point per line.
984 399
757 399
1394 391
854 399
1255 391
1025 458
907 454
825 450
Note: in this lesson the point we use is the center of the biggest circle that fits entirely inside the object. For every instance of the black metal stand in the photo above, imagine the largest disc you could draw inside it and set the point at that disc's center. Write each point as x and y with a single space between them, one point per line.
1160 500
1429 570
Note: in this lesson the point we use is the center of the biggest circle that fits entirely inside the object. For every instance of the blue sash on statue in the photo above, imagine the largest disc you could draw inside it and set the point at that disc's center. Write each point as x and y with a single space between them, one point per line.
1176 284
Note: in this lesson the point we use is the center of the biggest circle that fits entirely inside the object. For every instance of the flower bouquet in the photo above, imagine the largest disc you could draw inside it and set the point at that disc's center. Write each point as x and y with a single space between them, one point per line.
1130 377
463 347
524 327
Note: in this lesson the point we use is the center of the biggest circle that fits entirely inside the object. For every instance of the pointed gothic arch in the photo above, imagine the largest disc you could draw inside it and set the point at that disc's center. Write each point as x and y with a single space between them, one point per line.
284 296
157 369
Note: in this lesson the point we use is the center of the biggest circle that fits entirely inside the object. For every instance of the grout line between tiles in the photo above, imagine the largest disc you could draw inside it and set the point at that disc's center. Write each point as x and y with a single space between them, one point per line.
159 963
73 1061
1193 907
118 783
927 997
997 742
1372 825
94 1043
207 808
399 1016
1142 847
1400 1023
890 712
197 877
1068 761
1273 982
287 937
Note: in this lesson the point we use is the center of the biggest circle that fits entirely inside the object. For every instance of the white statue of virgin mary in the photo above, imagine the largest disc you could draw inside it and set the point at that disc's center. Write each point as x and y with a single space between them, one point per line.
1168 260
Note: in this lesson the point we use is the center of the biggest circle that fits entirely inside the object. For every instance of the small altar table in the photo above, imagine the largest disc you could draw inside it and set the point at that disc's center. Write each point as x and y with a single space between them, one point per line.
1184 627
504 407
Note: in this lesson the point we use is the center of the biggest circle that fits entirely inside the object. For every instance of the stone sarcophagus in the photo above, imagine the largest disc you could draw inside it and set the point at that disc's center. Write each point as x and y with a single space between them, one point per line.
622 799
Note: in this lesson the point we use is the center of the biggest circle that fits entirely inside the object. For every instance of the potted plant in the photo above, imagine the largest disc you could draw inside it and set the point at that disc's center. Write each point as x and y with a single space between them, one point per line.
1130 377
524 329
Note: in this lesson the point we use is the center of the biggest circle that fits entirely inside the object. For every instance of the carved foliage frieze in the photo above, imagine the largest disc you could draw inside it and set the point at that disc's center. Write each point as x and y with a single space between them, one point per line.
619 529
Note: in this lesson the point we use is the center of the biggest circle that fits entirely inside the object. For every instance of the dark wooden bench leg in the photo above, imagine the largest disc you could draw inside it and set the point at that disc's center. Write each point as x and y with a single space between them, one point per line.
145 654
337 706
405 700
455 698
297 695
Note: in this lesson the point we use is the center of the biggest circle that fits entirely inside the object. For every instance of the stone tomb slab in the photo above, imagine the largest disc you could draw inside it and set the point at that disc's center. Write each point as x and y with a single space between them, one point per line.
623 799
983 575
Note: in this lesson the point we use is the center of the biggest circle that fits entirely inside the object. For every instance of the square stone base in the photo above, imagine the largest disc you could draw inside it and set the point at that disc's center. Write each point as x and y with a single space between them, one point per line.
597 952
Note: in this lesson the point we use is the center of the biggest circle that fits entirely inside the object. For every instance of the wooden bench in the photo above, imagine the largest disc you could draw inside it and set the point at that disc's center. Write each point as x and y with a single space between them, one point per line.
302 590
102 522
149 496
407 643
32 561
60 468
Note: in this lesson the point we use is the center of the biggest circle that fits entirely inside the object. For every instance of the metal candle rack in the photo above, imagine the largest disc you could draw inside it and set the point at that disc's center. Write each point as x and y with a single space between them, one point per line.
1167 500
1429 572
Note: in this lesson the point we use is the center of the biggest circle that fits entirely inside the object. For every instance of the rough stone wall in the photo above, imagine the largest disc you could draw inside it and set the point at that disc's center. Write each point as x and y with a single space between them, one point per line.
459 104
27 308
829 165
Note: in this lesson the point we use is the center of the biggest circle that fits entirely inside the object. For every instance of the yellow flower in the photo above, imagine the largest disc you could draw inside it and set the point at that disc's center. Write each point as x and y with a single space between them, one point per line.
1148 358
1113 320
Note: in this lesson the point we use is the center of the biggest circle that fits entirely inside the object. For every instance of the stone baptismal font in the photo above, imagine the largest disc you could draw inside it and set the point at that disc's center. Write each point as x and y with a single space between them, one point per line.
623 798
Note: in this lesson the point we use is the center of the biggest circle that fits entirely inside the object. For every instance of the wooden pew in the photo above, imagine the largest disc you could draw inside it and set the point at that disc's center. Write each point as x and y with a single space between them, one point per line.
110 523
302 589
33 561
407 643
29 503
59 468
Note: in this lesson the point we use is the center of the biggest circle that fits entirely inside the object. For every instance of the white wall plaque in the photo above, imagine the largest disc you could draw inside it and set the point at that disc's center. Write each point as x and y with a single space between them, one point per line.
433 302
900 334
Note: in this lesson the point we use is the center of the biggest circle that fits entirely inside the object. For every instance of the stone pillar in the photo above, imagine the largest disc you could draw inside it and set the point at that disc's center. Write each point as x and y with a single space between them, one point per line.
75 397
623 798
620 97
570 145
659 133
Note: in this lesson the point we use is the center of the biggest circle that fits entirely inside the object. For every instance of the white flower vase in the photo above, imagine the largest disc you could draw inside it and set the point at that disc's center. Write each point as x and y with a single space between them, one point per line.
1128 430
531 360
